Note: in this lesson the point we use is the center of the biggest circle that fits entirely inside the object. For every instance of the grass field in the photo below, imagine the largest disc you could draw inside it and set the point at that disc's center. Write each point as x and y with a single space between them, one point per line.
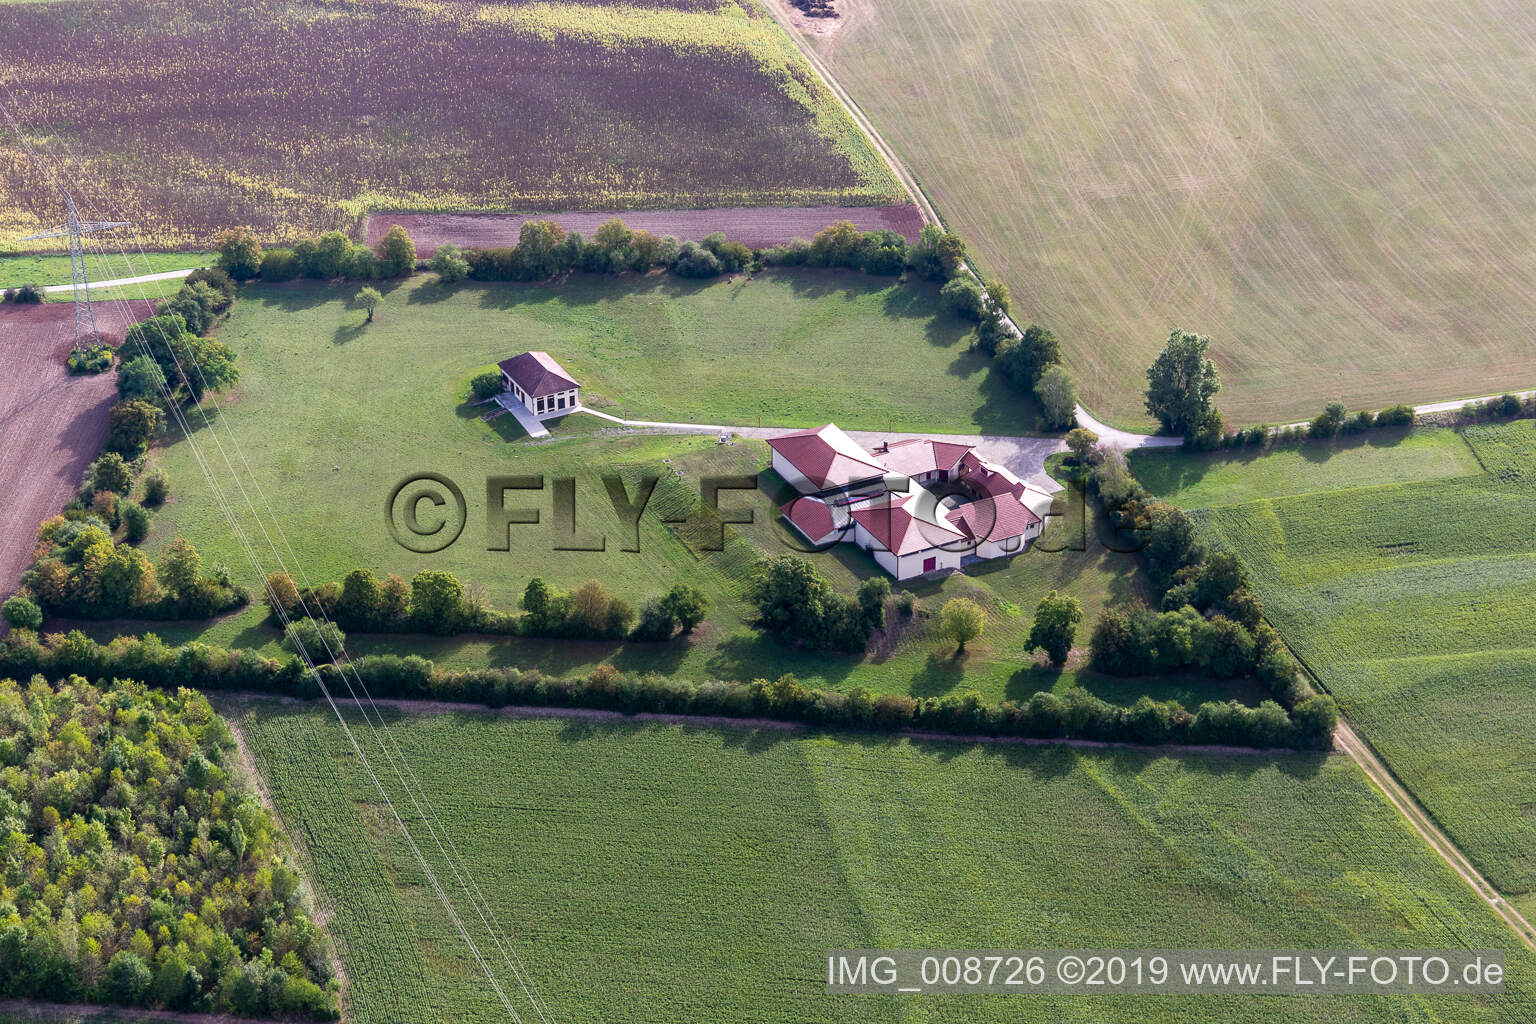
655 872
297 118
1415 604
1338 193
47 270
330 415
1236 476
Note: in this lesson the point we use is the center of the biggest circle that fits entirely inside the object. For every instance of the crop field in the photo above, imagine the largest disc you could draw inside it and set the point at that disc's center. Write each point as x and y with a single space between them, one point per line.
51 424
654 872
1415 604
296 118
1338 193
331 415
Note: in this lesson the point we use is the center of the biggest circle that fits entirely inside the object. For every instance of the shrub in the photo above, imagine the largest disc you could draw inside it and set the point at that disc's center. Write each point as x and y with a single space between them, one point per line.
27 294
1082 443
142 378
962 621
135 521
693 260
396 253
368 299
1329 421
964 298
486 385
1360 421
449 264
131 426
1395 416
1055 626
279 265
91 359
437 602
157 488
321 641
21 612
240 253
220 281
110 472
1057 394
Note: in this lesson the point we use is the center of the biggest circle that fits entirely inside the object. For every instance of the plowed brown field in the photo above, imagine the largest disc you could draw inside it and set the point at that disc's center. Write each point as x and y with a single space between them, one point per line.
752 226
51 424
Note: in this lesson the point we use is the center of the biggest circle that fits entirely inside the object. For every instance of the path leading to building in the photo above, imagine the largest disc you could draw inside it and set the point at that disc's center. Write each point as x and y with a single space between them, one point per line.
1024 456
525 419
169 275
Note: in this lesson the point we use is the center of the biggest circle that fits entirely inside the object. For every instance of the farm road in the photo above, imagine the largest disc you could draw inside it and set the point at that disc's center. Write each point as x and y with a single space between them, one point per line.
169 275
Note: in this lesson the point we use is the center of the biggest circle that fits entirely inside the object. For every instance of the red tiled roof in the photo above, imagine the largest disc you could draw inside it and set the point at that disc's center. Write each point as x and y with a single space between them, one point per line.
995 518
537 374
918 455
814 518
896 529
826 456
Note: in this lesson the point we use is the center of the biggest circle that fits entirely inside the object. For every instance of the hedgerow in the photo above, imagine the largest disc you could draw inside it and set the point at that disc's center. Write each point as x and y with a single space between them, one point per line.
1076 714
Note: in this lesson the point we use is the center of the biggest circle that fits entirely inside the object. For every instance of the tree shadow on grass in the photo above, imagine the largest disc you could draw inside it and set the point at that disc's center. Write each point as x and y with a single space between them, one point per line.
941 674
349 332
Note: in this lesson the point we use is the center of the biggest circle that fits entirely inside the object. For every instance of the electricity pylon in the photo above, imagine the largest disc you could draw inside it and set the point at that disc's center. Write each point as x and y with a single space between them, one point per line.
85 316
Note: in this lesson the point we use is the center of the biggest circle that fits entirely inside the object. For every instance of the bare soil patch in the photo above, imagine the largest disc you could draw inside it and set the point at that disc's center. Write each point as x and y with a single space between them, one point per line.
755 226
51 424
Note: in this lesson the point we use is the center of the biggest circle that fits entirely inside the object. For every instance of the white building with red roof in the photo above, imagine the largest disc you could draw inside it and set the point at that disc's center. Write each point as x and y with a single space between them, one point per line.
918 506
540 384
824 459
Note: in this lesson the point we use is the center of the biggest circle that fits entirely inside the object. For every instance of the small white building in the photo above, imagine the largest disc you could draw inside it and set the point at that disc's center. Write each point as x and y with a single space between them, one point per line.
540 384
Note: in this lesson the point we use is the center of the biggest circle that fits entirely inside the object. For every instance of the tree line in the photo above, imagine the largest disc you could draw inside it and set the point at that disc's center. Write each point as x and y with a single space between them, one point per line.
1074 715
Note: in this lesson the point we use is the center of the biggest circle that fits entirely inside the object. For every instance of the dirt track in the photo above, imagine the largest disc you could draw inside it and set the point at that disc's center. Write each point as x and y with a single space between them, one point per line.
752 226
51 424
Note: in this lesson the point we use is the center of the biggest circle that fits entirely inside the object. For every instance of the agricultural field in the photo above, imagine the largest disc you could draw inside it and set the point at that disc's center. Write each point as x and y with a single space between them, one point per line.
331 415
51 424
1337 193
297 118
656 872
1415 605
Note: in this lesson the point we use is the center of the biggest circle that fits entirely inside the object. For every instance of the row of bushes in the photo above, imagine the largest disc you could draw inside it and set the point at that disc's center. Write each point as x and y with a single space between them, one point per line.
332 255
435 601
1336 420
1076 714
26 295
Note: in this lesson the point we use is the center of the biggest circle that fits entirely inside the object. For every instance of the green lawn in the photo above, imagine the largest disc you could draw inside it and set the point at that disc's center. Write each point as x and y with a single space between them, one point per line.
1415 604
331 414
48 270
1338 193
652 872
1246 474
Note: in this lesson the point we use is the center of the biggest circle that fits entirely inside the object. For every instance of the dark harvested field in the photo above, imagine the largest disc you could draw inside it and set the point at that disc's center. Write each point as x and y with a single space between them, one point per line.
293 118
753 226
51 424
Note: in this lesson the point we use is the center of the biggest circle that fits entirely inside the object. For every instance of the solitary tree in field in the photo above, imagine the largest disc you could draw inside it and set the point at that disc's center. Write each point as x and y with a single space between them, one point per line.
961 620
1182 382
1055 626
368 300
